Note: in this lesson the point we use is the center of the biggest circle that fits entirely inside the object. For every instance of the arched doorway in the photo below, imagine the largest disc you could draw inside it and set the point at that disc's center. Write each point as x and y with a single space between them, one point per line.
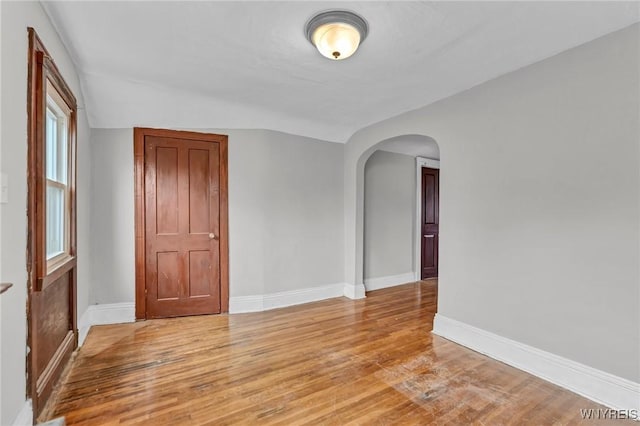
393 201
415 144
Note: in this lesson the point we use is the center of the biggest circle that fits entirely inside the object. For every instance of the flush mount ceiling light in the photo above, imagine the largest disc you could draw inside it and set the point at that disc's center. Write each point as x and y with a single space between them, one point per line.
336 33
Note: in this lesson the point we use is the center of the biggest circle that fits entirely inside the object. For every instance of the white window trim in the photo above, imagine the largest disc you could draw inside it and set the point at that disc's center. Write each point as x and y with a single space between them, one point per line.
61 110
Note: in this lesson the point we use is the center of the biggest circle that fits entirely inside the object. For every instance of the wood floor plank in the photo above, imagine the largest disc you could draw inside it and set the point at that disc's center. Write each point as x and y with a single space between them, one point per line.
334 362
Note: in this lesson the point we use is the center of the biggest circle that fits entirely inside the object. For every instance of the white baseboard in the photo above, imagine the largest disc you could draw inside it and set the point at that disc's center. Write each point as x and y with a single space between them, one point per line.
243 304
354 291
117 313
264 302
84 324
389 281
25 416
599 386
112 313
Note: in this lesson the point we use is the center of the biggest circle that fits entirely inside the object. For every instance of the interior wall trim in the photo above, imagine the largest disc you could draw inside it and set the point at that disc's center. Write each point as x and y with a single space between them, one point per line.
389 281
355 292
599 386
112 313
265 302
25 416
119 313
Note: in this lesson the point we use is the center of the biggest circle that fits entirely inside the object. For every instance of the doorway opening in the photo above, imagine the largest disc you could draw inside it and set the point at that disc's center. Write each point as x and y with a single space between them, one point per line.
399 211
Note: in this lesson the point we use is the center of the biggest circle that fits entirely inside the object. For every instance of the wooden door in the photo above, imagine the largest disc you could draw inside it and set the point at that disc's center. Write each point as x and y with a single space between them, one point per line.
51 232
185 225
430 222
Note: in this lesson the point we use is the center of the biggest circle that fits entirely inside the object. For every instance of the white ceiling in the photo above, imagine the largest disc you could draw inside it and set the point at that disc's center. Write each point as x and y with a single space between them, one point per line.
248 64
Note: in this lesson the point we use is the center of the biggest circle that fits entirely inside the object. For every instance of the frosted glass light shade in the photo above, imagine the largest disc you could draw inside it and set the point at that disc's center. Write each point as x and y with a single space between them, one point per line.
336 41
336 33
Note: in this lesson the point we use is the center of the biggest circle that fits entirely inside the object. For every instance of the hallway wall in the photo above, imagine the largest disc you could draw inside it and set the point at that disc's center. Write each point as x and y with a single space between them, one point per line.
389 214
540 200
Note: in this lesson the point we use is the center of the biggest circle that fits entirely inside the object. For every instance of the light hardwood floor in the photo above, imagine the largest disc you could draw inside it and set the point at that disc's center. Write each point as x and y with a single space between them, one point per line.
372 361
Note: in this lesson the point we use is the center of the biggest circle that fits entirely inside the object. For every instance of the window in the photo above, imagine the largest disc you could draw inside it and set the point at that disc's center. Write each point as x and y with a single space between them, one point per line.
58 209
51 179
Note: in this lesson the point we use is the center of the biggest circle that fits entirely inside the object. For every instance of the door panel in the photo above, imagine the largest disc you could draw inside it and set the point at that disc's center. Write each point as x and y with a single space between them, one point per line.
430 222
168 266
166 190
199 194
429 248
52 323
182 227
429 185
200 273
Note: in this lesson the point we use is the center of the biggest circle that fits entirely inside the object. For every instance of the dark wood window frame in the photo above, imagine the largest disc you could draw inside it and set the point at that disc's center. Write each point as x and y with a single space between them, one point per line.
139 134
41 68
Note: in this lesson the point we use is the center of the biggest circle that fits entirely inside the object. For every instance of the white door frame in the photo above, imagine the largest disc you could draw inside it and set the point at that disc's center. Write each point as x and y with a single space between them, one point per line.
420 163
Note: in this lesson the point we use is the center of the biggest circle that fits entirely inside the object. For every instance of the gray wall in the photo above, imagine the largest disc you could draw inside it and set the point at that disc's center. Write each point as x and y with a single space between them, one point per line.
16 16
285 213
113 262
540 196
389 214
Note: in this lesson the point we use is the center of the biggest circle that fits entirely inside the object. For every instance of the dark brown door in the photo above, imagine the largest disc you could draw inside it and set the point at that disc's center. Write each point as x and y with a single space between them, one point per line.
430 205
182 221
51 233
